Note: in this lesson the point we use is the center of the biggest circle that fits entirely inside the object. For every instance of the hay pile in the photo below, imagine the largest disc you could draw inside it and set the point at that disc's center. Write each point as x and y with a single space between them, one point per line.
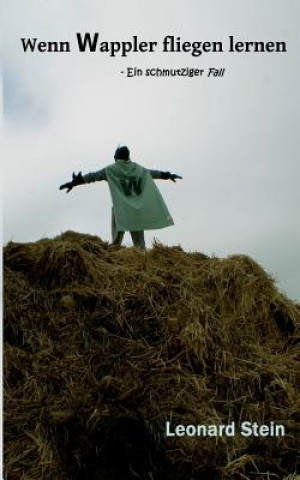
104 344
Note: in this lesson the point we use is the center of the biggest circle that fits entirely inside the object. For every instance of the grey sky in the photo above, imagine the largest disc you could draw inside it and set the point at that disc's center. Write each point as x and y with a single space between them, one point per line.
235 140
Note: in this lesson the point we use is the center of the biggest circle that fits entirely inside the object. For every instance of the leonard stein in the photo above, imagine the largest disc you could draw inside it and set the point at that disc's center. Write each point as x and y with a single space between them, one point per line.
247 429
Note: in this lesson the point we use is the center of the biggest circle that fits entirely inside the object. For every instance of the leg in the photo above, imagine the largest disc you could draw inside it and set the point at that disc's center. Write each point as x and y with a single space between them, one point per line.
138 239
116 236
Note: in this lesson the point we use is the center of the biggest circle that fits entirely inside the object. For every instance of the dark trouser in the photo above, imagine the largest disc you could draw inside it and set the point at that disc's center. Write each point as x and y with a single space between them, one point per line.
117 237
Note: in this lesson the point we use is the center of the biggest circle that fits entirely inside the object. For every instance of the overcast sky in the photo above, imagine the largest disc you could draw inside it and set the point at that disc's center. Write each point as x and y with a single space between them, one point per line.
234 139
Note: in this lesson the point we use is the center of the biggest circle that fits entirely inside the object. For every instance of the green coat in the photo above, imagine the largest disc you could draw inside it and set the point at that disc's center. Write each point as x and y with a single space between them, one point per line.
137 202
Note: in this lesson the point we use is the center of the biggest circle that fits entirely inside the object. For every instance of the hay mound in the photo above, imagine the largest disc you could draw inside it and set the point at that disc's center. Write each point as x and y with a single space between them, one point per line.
104 344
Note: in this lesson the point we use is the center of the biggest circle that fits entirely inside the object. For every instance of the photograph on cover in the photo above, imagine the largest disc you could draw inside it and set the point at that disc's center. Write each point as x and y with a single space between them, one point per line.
151 239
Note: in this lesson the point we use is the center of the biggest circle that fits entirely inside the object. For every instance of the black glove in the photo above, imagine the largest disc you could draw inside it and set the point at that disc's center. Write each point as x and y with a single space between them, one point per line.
174 177
76 180
170 176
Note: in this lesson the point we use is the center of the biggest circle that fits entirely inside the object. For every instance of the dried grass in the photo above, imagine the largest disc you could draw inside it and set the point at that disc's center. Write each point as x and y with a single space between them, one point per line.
101 341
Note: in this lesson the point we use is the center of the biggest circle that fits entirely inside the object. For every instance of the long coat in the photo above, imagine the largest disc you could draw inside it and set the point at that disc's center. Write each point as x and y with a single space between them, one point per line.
137 202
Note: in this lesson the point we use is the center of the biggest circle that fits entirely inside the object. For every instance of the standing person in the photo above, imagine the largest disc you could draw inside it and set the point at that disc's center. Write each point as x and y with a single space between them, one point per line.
137 203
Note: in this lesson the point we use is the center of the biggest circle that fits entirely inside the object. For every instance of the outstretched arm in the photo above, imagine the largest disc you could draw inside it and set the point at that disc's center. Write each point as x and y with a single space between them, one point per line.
157 174
81 180
95 176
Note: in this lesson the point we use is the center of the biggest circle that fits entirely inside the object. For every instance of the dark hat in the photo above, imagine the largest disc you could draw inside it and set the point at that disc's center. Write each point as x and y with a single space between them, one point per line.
122 153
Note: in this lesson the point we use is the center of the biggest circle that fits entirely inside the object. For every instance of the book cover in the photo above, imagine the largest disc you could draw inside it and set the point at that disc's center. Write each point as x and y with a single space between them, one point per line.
175 358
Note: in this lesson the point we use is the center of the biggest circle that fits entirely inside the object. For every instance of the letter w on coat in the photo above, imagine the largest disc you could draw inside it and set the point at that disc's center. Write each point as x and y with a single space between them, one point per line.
132 184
